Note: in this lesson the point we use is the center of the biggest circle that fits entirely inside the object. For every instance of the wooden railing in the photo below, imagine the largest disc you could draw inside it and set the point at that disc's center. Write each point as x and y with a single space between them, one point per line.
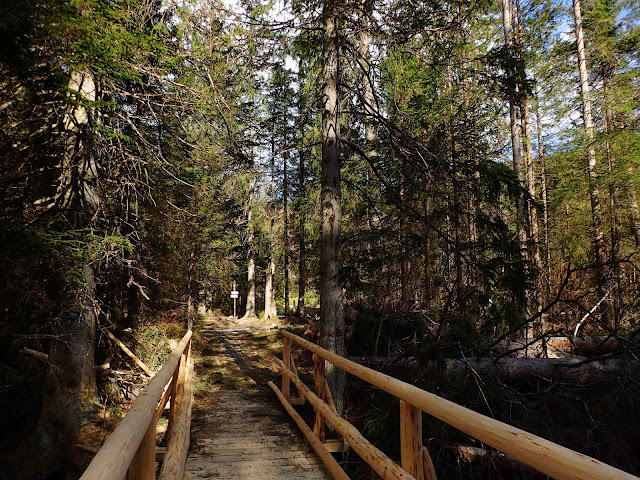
547 457
130 451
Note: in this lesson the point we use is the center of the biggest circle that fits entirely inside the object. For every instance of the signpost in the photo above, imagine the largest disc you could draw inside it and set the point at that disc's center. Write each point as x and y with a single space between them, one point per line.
234 294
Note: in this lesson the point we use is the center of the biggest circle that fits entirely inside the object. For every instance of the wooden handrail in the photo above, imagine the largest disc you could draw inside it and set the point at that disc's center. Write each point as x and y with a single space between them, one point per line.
132 445
547 457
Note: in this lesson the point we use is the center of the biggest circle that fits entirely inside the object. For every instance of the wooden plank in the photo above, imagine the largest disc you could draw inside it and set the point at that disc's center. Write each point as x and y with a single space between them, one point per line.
427 465
143 466
411 439
299 400
336 446
319 383
547 457
131 355
332 465
115 456
381 464
178 442
163 400
286 358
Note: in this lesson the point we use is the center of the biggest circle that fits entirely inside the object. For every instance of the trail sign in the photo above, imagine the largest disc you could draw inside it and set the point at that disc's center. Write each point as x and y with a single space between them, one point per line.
235 294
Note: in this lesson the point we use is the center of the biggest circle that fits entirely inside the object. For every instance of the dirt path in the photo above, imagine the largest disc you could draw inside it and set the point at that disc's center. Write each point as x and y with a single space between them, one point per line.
239 430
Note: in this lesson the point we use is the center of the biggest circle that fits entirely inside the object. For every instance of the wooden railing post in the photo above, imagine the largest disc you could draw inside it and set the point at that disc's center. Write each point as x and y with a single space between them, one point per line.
411 440
143 466
429 469
319 383
286 358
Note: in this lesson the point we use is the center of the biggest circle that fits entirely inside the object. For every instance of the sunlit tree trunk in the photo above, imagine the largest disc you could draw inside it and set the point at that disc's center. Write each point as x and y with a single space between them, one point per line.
331 296
544 194
250 309
270 310
513 120
615 226
594 192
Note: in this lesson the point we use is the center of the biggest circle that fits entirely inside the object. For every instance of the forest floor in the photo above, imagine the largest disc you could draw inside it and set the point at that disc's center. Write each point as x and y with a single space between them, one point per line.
239 429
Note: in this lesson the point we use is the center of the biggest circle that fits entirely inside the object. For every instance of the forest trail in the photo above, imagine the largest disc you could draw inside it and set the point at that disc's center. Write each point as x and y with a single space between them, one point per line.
239 430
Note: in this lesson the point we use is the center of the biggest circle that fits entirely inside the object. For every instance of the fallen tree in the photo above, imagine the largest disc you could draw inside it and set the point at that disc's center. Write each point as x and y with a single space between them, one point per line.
579 370
555 347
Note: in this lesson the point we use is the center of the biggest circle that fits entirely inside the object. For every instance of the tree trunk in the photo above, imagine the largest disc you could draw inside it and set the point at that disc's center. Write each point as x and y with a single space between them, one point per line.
544 194
285 239
270 310
594 192
515 128
331 296
69 392
250 309
302 274
428 282
368 94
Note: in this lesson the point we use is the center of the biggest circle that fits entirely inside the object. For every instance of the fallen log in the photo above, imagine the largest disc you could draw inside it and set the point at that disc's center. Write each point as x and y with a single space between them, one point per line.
129 353
577 370
555 347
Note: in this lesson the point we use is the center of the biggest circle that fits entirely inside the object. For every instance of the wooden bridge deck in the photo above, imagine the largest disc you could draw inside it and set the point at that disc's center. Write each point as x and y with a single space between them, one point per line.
241 431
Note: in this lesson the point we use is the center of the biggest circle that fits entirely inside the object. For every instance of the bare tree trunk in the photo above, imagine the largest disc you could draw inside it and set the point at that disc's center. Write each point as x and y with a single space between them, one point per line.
302 267
515 128
428 282
368 94
543 192
594 192
615 226
192 286
270 310
302 274
285 239
250 309
331 296
455 211
69 392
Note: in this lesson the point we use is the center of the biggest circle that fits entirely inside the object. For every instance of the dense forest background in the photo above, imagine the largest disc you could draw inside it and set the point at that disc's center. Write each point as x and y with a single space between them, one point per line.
154 154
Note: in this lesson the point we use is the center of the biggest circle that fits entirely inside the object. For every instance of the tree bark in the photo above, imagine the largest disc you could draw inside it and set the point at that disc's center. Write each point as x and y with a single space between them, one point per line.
513 120
285 239
302 274
331 296
250 309
594 191
270 310
69 392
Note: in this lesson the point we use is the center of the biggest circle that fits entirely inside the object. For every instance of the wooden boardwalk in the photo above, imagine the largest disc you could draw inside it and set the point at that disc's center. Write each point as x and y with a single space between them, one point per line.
244 432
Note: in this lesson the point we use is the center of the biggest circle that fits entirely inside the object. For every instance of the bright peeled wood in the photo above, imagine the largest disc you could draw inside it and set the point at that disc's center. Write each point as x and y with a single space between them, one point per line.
411 439
332 465
143 466
320 383
427 465
129 353
381 464
547 457
115 456
178 440
286 357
